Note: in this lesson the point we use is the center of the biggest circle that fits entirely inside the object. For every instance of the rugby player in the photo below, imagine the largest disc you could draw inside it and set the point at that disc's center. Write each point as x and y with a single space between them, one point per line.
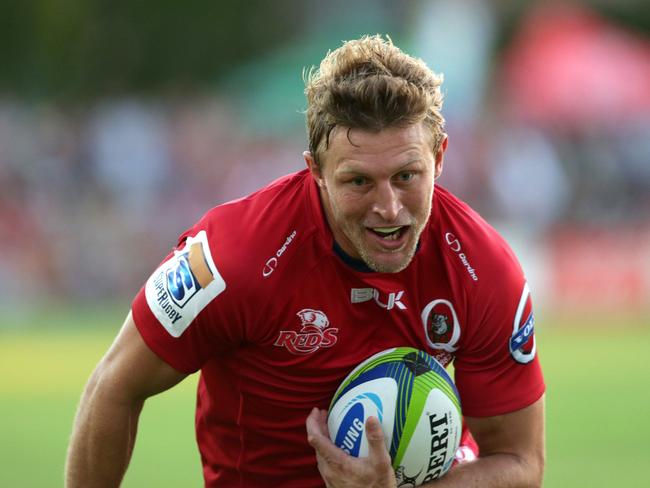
277 296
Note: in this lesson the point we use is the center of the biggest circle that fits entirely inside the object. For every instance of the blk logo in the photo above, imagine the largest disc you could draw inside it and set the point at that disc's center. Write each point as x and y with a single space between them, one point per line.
388 301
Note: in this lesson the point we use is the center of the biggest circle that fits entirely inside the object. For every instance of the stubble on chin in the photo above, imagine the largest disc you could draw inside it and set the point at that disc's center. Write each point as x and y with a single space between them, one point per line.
386 268
393 267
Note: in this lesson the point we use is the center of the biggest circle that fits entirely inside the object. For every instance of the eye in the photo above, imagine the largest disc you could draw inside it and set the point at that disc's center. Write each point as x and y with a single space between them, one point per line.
405 176
358 181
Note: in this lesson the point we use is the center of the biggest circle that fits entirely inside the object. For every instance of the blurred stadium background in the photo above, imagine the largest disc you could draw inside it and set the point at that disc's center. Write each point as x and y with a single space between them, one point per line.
122 122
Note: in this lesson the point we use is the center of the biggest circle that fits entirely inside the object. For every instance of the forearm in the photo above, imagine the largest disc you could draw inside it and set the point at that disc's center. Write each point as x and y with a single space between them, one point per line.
102 440
495 471
106 424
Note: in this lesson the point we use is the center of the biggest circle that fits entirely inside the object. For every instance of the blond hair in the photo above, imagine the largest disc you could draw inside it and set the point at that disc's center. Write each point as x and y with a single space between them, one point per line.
371 84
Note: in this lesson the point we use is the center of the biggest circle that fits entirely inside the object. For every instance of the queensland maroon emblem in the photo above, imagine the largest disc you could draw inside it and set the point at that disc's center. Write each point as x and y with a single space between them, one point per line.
441 325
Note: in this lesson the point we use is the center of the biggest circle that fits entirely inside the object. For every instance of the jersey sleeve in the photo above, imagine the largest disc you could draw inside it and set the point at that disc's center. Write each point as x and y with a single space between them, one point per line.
497 369
181 312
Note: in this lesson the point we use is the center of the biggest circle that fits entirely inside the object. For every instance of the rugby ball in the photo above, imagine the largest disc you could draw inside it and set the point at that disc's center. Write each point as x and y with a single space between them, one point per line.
416 403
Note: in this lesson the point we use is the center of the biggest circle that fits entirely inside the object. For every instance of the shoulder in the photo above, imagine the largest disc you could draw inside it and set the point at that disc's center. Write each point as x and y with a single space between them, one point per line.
483 270
263 208
227 259
470 245
248 237
496 366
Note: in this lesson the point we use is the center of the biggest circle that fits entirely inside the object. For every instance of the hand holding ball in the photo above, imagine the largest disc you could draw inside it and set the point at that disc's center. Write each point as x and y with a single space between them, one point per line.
418 408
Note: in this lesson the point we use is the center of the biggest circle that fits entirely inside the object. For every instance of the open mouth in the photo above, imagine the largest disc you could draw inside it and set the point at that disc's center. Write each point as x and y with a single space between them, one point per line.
389 233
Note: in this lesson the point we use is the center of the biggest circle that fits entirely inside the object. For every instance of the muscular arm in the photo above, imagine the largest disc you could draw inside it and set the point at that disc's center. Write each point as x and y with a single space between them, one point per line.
511 454
105 426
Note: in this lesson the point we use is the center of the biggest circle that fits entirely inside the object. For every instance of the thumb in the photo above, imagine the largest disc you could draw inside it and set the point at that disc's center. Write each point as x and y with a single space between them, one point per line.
376 443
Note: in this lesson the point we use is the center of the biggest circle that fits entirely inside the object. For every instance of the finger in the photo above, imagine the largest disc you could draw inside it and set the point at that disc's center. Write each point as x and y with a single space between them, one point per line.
318 438
316 423
317 428
323 420
376 442
328 451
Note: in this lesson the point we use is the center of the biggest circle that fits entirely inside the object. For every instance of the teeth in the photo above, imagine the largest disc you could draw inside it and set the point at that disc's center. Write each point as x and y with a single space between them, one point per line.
388 233
386 230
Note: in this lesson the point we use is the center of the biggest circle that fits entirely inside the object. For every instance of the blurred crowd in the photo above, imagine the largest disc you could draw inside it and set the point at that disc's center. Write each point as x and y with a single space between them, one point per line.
91 202
553 131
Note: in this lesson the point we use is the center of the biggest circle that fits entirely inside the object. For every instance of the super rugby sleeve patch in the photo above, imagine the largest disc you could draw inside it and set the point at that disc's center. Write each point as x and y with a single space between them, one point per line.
183 285
522 341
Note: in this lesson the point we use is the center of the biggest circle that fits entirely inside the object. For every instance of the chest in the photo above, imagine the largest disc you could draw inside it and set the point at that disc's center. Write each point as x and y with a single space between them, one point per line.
332 320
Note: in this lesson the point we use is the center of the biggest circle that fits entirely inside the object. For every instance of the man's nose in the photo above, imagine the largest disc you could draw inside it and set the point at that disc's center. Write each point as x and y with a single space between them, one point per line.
387 202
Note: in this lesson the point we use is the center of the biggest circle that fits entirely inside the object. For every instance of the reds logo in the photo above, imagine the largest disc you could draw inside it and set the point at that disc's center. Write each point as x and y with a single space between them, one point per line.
314 333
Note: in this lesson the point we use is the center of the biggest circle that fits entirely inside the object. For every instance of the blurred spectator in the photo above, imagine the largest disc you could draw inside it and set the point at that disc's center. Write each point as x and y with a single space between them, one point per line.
585 83
528 182
129 155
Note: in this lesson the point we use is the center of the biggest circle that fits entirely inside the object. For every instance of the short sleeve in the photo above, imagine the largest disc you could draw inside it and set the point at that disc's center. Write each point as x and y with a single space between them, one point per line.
180 312
497 369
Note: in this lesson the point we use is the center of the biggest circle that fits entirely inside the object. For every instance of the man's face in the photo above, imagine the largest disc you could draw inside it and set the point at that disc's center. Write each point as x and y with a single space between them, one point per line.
376 189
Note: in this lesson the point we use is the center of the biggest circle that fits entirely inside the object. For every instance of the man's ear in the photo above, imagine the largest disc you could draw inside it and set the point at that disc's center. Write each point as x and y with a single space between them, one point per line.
314 168
440 156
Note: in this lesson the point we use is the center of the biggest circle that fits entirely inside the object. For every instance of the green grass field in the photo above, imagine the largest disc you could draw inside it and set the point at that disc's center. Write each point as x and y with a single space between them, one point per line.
598 402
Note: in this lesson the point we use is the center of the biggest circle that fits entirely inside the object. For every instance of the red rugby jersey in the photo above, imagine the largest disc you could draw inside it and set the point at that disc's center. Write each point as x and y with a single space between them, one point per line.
257 298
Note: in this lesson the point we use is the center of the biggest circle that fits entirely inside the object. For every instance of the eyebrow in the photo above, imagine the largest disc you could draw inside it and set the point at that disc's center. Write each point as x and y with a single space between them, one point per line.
401 168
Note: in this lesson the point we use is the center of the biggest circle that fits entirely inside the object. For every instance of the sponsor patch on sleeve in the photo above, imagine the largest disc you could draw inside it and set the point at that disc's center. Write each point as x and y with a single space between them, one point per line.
522 341
183 285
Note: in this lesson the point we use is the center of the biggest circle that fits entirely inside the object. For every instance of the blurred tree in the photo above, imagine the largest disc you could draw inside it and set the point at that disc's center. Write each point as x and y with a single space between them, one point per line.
74 49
